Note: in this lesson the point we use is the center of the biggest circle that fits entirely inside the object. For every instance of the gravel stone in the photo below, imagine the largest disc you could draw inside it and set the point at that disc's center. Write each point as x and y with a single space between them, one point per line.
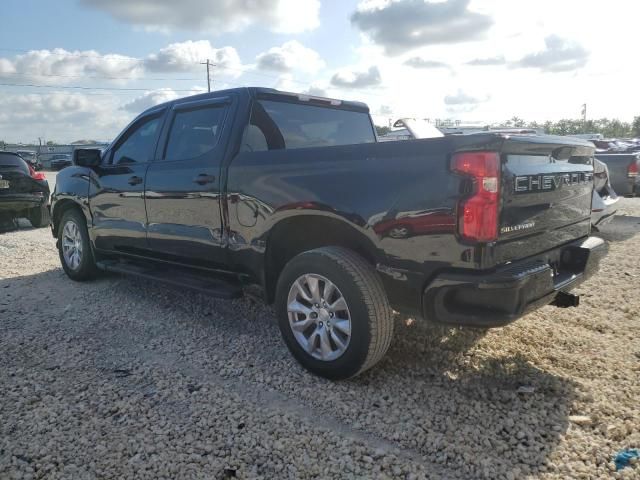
124 378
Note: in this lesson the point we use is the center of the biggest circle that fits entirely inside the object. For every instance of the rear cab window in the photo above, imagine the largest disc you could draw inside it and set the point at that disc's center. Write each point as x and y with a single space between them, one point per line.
279 125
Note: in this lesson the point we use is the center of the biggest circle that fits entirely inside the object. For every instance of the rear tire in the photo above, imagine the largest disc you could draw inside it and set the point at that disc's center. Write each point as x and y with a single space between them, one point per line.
365 303
74 247
7 222
39 217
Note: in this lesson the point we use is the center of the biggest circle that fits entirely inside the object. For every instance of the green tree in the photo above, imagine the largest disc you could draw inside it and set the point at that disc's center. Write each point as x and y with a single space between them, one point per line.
635 127
382 130
610 128
516 122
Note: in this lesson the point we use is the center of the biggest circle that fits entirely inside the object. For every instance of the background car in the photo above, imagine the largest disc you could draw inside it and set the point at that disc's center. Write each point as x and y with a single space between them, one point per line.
60 161
604 196
31 158
23 192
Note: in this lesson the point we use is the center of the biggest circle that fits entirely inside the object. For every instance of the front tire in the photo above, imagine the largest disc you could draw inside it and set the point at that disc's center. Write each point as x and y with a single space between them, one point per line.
333 312
74 247
39 217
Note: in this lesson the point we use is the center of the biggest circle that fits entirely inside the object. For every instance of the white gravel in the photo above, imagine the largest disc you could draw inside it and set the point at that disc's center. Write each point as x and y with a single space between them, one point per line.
122 379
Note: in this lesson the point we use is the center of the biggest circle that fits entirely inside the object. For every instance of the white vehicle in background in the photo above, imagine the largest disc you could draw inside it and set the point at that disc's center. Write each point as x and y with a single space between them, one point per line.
588 136
604 197
410 128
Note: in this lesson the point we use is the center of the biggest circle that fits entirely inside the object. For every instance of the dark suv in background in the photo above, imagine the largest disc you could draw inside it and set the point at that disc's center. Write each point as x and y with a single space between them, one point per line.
60 161
23 192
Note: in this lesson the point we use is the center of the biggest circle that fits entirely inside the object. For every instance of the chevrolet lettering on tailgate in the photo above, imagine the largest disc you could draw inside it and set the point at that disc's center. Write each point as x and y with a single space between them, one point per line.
534 183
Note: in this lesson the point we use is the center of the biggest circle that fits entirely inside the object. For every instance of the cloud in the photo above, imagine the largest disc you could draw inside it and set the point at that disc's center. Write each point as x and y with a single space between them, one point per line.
290 56
385 110
59 116
560 55
316 91
488 61
462 102
419 62
351 79
462 98
59 66
186 57
65 117
399 26
214 16
156 97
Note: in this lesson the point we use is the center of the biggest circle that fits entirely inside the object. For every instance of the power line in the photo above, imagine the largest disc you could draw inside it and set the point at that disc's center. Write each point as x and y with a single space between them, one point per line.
141 60
27 74
242 70
73 54
110 94
78 87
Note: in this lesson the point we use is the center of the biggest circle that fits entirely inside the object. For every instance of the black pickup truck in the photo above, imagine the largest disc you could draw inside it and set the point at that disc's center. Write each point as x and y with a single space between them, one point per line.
294 194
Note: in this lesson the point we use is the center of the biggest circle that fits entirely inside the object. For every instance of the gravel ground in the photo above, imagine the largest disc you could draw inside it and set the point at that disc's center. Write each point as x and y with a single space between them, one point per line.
120 378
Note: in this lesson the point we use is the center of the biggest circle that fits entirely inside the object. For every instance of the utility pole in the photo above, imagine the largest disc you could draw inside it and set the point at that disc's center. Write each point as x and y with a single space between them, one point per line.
584 117
209 80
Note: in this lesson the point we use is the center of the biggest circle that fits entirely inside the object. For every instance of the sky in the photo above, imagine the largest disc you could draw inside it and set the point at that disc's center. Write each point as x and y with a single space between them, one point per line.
83 69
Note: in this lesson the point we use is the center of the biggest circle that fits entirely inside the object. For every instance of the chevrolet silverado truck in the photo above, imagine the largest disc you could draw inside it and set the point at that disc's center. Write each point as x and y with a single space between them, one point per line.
247 187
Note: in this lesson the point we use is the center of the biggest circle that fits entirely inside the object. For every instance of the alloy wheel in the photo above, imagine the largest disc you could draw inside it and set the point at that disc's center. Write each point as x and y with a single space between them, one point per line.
72 245
319 317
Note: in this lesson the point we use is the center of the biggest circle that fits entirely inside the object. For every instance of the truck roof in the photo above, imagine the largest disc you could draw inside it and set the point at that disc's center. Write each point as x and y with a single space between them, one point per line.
262 92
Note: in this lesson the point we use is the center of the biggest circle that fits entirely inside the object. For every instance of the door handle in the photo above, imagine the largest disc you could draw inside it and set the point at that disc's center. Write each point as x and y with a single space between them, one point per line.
135 180
203 179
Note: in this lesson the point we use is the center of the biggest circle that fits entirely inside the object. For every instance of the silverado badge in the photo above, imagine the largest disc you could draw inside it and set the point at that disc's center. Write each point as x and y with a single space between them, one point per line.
517 228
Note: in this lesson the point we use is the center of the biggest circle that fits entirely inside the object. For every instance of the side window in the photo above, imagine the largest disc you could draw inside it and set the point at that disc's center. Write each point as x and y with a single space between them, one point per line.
139 143
194 132
279 125
254 139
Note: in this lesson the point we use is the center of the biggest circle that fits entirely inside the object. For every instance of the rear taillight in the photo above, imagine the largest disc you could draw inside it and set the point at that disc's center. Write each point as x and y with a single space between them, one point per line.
478 210
632 171
36 175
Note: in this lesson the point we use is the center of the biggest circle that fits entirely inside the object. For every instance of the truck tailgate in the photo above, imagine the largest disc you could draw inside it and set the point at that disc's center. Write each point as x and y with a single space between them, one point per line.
546 194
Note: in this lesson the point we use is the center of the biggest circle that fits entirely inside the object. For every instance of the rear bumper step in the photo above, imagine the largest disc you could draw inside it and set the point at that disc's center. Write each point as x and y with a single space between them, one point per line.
504 295
215 287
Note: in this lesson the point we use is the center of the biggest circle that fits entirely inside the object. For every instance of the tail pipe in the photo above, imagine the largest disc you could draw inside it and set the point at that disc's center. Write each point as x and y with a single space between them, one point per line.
566 300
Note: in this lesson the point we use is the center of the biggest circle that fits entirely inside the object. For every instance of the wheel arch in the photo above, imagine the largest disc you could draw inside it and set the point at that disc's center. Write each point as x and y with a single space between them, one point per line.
294 235
60 207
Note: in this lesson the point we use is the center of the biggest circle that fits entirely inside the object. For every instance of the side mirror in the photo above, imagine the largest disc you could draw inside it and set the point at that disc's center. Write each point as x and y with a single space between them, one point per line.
87 157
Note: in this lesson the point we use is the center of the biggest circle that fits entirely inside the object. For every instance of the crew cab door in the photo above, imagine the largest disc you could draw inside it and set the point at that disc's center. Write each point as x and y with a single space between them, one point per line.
116 195
183 188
